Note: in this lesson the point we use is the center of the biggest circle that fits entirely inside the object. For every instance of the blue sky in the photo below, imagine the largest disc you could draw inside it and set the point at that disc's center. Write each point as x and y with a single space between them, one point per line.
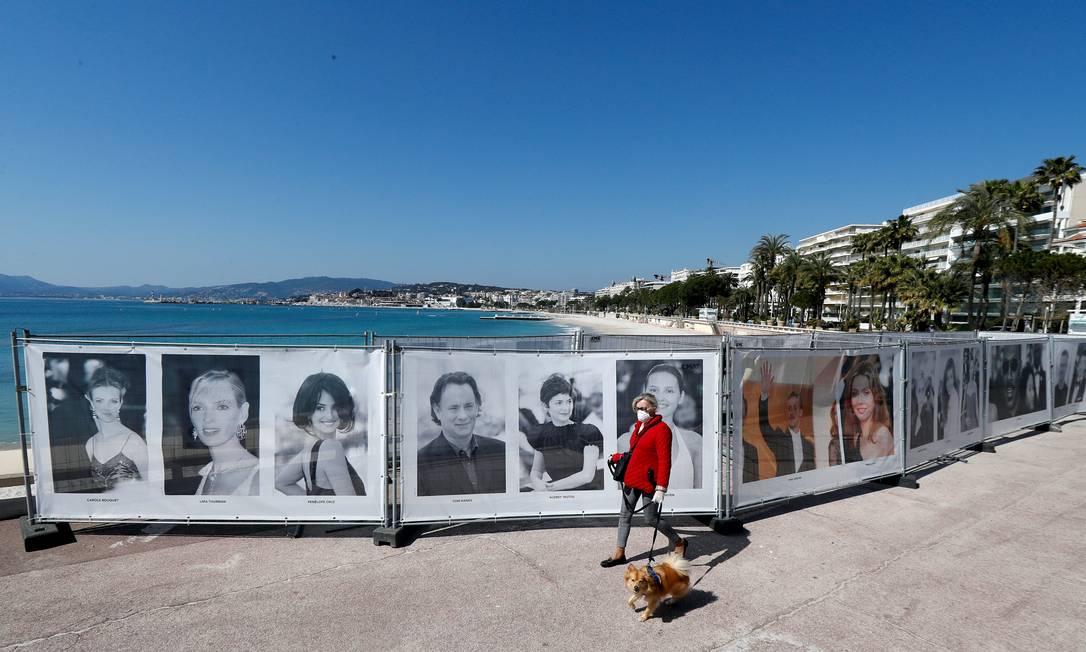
539 144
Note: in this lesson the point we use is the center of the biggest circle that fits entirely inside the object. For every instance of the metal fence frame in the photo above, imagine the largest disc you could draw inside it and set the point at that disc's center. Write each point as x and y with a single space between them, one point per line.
19 342
393 347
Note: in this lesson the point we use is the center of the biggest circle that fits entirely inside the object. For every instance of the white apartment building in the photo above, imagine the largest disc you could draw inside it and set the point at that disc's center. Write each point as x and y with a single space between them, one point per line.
837 243
941 250
1071 221
615 289
742 273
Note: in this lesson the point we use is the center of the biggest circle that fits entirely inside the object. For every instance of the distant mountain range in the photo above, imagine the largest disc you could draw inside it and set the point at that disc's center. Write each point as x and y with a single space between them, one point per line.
26 286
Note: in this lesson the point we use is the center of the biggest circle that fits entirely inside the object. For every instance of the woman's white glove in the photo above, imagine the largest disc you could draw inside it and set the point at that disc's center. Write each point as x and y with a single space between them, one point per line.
658 497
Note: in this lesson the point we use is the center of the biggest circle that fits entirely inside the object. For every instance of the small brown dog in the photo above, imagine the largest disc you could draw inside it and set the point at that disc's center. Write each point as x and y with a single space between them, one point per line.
672 578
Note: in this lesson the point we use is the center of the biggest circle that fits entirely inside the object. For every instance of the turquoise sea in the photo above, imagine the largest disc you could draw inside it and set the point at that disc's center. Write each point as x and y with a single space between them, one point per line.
87 317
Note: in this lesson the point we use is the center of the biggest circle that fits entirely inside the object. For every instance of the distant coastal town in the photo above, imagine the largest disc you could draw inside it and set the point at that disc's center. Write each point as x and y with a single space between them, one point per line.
446 296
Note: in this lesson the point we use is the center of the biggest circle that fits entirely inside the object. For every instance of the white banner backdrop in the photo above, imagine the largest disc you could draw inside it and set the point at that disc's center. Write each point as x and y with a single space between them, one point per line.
176 433
810 421
541 427
943 400
1018 385
1068 376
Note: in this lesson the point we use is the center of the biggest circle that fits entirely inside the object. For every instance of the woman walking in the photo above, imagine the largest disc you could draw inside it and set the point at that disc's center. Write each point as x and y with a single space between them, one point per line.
646 478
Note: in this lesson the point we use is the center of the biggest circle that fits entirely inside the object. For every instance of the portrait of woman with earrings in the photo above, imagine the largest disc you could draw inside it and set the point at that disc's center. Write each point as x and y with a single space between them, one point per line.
117 454
218 410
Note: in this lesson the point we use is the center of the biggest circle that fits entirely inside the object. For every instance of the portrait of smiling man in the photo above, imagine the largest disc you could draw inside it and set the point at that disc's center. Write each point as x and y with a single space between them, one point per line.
459 461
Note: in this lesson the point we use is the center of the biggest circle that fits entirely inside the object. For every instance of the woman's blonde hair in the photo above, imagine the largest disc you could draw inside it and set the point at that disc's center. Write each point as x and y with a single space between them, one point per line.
651 398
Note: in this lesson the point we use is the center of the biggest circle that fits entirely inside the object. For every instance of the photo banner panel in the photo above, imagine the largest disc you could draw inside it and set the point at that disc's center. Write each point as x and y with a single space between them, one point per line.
942 404
207 433
1068 376
540 428
1018 390
810 421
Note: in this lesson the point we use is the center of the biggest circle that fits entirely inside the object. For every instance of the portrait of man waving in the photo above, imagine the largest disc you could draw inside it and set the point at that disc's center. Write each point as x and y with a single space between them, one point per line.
793 452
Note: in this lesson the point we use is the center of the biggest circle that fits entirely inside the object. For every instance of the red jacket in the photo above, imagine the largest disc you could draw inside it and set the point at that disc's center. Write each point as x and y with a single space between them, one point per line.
651 446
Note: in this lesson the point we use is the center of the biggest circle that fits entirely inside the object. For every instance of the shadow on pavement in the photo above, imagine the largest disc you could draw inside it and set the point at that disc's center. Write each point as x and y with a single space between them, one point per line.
695 599
221 530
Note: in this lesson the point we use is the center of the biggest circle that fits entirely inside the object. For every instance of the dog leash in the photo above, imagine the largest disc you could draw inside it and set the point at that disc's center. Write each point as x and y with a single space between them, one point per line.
652 548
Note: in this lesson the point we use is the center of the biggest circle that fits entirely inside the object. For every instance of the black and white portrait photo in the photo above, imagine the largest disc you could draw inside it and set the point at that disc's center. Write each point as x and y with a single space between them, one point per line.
561 419
462 434
1061 374
1017 380
1068 376
971 364
321 438
948 367
678 386
97 418
1078 375
210 424
922 384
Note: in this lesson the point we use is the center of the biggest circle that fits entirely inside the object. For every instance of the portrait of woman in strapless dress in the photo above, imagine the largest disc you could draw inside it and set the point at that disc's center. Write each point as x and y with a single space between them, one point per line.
324 410
117 454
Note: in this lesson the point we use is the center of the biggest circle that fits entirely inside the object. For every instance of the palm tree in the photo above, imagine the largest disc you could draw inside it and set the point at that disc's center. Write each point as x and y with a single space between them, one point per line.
1058 173
933 292
891 237
1020 268
785 276
980 212
1024 196
895 269
764 258
740 302
866 244
853 276
899 231
818 271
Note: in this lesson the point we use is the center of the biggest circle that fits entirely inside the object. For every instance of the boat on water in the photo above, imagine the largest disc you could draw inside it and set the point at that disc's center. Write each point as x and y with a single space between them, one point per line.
516 316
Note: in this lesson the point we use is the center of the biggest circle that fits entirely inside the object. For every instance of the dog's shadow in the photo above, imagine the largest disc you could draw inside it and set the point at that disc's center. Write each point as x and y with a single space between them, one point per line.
694 599
672 609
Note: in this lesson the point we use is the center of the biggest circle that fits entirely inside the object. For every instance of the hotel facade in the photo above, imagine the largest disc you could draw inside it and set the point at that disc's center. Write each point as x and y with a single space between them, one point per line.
941 250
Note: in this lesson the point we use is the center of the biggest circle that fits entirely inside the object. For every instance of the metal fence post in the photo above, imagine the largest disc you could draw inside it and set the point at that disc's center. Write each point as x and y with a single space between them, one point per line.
904 405
397 476
984 383
1049 397
391 445
723 401
729 468
21 389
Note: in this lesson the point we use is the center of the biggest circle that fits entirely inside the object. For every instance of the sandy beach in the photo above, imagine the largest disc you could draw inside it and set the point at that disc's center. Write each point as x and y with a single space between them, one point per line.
11 473
615 326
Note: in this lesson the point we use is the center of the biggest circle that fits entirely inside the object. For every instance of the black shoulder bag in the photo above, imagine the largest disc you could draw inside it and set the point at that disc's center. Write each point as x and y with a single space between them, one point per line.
618 469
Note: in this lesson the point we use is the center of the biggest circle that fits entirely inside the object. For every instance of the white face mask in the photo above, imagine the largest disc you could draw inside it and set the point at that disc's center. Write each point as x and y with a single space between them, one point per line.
642 416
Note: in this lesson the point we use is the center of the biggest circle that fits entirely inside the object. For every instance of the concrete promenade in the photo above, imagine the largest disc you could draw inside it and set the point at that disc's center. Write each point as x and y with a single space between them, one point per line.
987 555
